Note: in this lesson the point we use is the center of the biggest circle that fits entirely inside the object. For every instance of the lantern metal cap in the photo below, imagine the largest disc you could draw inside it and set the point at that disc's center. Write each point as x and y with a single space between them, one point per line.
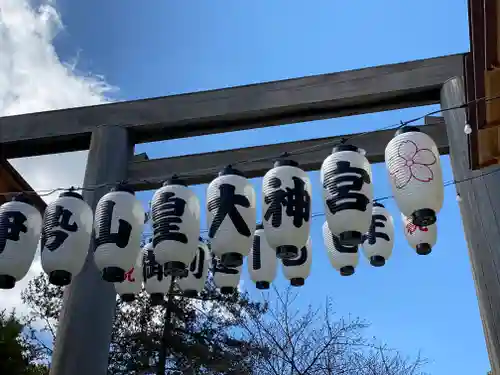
285 162
227 290
229 170
424 249
407 129
175 180
377 204
72 194
297 281
259 226
262 285
22 197
124 188
345 147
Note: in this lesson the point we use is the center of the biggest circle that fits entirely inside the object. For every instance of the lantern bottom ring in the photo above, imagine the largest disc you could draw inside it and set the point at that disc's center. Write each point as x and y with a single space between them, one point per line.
423 217
7 282
350 238
347 271
297 281
262 285
177 269
190 293
60 277
113 274
287 252
231 259
128 297
227 290
424 249
157 299
377 261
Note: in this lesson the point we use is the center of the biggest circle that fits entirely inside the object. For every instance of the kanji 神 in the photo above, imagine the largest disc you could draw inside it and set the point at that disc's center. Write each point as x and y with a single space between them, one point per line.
412 228
104 235
344 184
12 223
378 221
166 217
58 217
225 204
296 200
297 261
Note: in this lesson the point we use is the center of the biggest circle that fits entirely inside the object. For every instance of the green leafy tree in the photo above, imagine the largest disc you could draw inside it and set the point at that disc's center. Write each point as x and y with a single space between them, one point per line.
185 335
18 353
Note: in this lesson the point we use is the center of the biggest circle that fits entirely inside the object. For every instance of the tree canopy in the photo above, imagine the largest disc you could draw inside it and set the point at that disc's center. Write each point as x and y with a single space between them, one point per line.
227 334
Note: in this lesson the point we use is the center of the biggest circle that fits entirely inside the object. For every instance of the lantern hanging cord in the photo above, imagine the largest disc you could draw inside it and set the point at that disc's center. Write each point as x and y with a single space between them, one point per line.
300 151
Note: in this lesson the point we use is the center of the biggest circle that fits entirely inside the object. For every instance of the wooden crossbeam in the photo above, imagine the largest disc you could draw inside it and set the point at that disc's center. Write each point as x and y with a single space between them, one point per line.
346 93
202 168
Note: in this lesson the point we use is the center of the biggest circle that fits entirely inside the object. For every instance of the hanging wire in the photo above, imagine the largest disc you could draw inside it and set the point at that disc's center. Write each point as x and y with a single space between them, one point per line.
300 151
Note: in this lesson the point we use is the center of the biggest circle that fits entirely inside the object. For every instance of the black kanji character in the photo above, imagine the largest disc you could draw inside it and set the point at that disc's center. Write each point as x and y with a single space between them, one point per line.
256 261
104 235
151 267
378 221
296 200
56 217
218 267
225 204
167 214
344 184
12 223
343 248
197 265
297 261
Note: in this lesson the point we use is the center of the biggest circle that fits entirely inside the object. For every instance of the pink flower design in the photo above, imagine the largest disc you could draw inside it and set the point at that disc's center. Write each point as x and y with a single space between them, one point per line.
412 228
411 162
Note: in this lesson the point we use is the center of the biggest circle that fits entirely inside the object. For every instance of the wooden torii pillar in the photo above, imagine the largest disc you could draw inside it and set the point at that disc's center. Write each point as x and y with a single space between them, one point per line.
480 211
110 131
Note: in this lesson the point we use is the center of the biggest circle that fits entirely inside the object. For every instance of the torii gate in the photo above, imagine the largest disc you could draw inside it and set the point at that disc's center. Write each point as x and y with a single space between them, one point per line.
110 131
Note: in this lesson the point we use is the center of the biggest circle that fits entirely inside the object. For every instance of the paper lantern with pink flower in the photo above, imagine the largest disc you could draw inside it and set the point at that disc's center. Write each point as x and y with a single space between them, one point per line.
422 239
412 159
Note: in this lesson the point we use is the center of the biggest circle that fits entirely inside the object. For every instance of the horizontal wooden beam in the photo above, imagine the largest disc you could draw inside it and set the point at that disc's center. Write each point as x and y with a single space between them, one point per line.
203 168
346 93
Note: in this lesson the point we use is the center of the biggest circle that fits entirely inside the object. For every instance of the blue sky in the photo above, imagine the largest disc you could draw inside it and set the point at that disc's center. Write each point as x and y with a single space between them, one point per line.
160 47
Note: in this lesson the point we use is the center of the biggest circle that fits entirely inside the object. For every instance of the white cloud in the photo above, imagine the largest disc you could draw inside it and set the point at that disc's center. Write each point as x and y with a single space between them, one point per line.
32 79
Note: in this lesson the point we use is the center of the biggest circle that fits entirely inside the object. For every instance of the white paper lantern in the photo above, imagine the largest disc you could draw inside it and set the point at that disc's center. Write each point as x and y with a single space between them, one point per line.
286 208
132 284
20 226
194 282
231 215
379 240
65 239
118 222
226 278
346 177
422 239
342 257
156 281
297 269
176 225
412 159
261 260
